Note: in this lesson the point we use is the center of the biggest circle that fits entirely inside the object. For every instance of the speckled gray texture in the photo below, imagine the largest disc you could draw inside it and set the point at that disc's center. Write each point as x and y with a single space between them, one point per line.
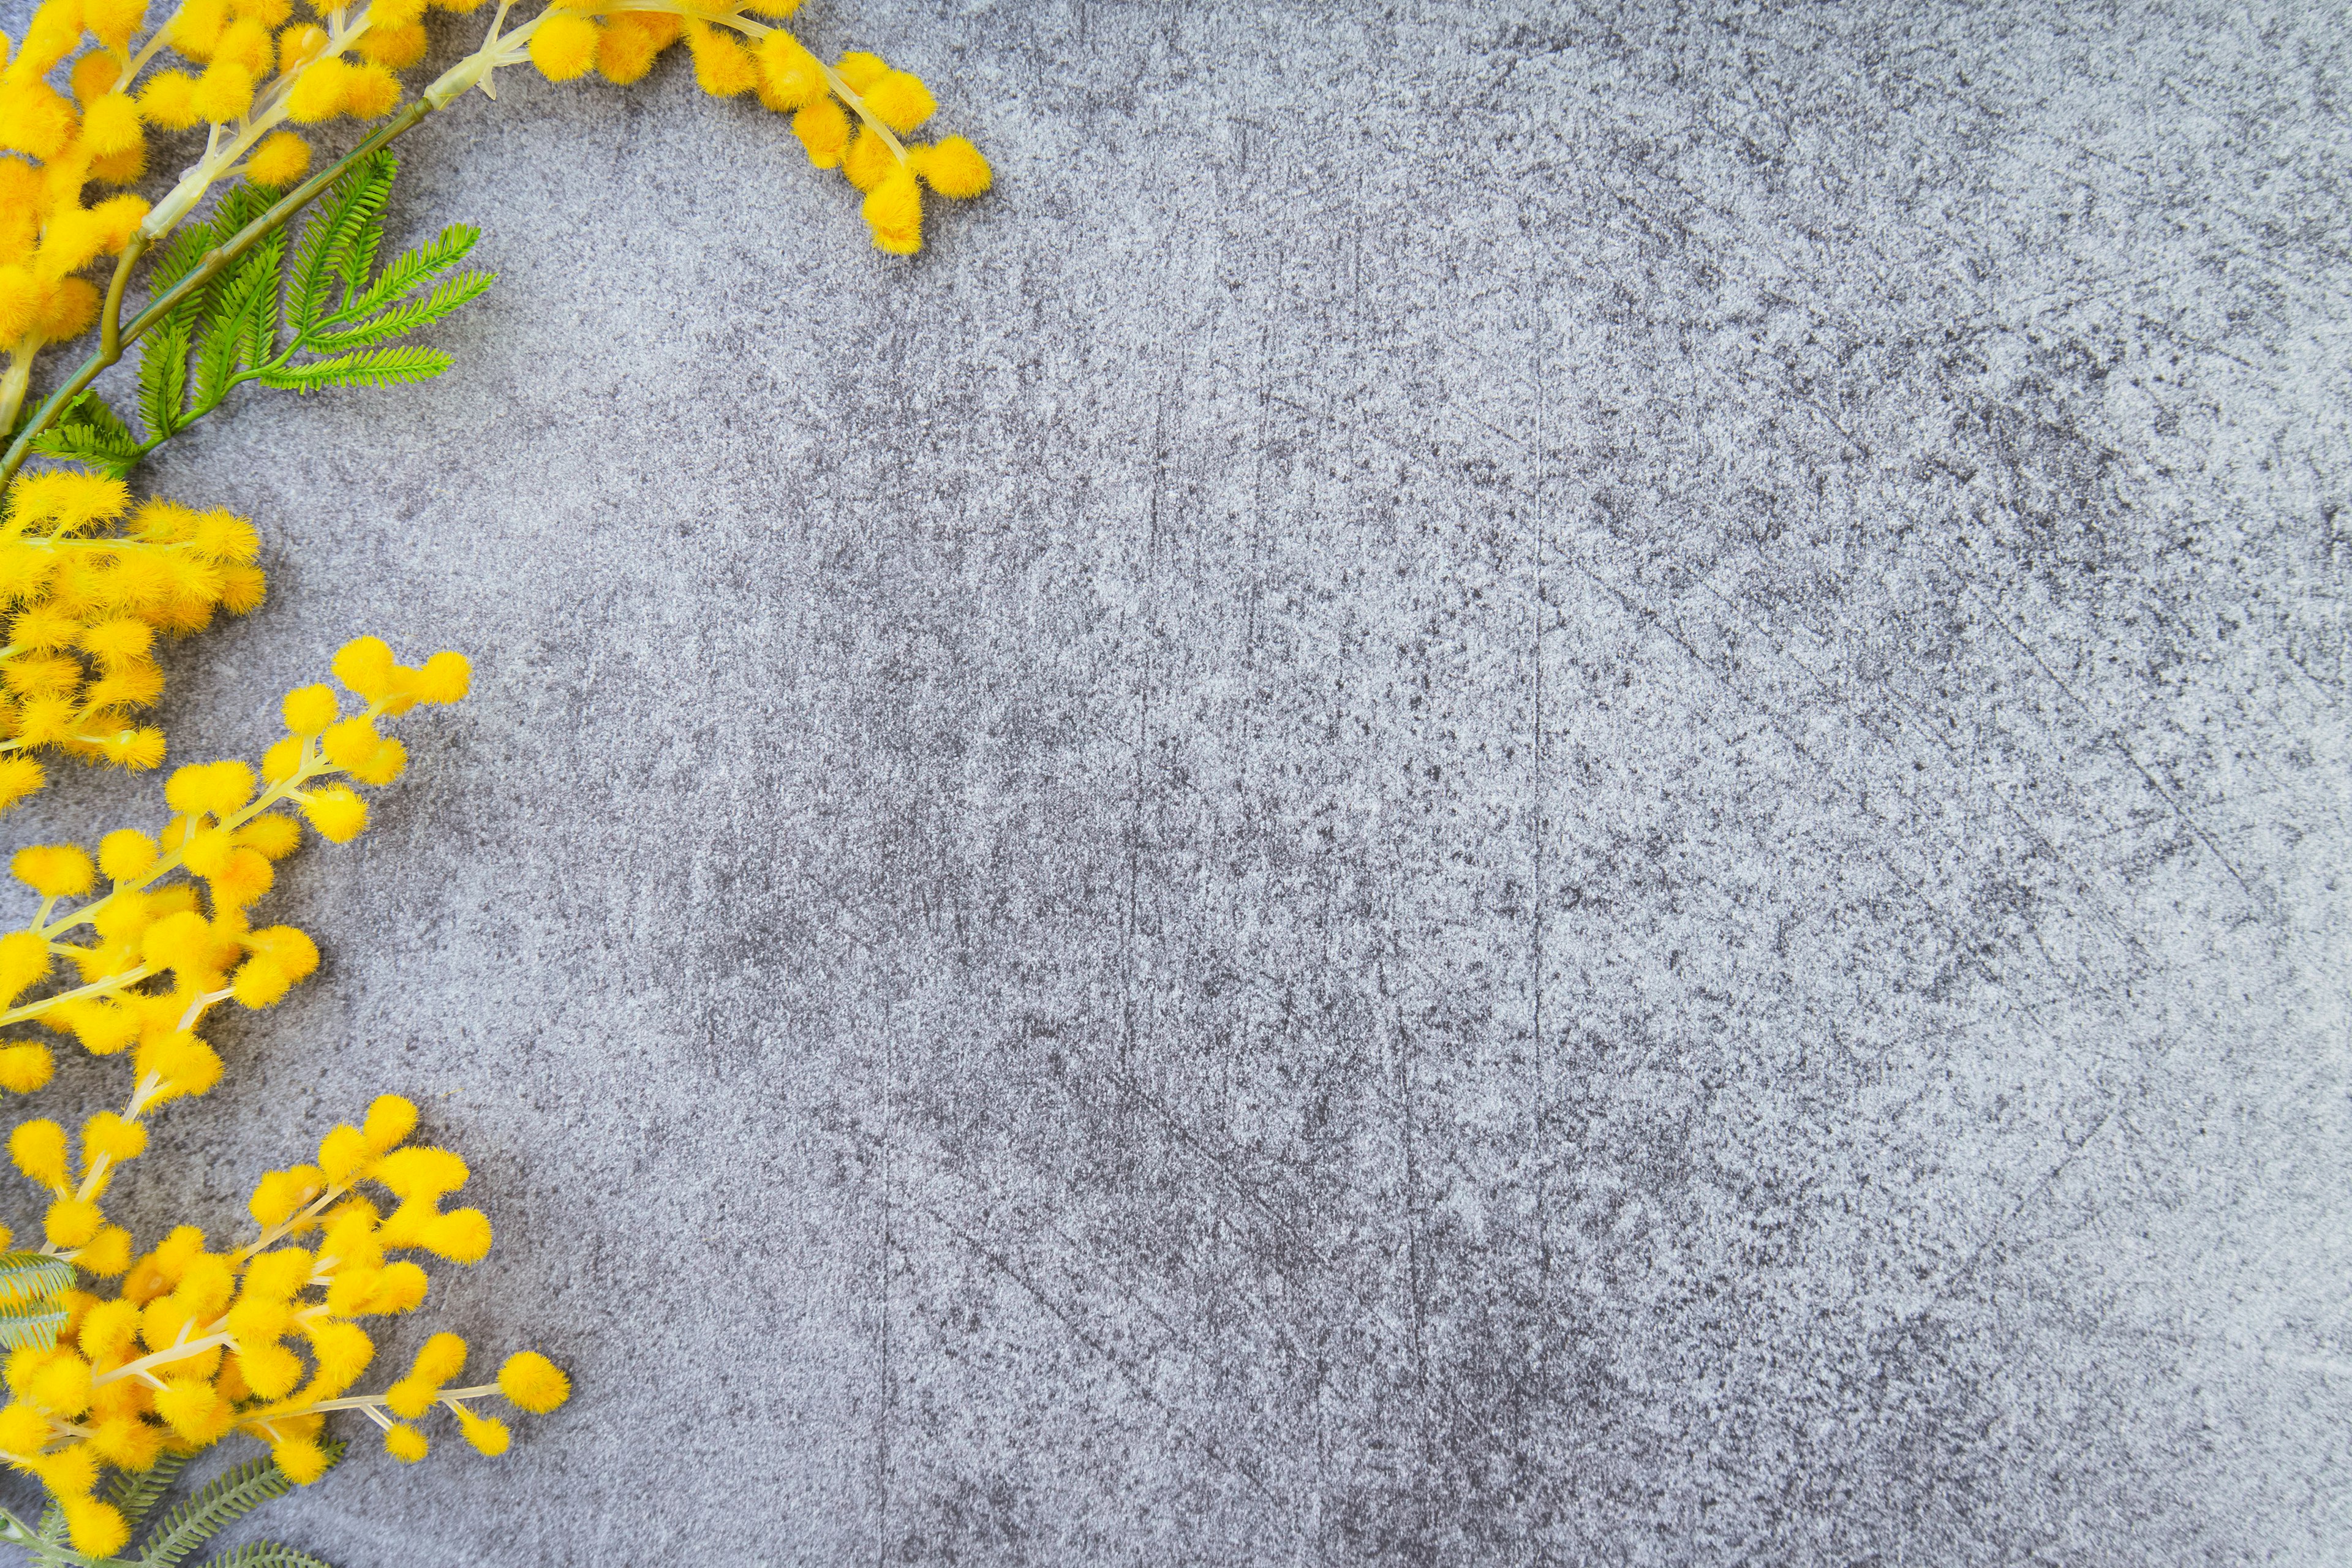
1561 790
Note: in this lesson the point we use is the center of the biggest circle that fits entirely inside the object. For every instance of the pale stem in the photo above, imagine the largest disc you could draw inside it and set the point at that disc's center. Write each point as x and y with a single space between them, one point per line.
18 381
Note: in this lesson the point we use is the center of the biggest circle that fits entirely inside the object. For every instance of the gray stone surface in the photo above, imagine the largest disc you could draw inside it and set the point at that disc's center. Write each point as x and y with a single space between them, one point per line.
1548 789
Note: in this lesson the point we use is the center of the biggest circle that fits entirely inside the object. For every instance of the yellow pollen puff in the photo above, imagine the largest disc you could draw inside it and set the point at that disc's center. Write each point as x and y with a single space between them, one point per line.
118 641
319 92
487 1434
107 1254
373 91
242 879
901 100
225 92
126 854
352 745
310 708
109 1330
54 870
93 76
23 1429
366 668
789 77
170 99
723 67
301 1458
71 1221
73 501
461 1235
19 777
895 213
405 1443
112 22
180 1063
35 120
25 958
103 1028
286 947
565 46
438 1360
61 1388
282 159
96 1528
342 1154
25 1066
193 1408
391 1117
113 1136
533 1382
824 129
110 125
220 788
284 760
271 834
38 1149
396 47
869 160
446 678
56 28
196 26
337 812
954 168
280 1194
247 43
300 45
270 1371
861 71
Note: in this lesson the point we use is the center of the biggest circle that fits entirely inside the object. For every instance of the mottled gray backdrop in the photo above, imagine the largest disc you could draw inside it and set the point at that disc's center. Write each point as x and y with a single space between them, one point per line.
1491 788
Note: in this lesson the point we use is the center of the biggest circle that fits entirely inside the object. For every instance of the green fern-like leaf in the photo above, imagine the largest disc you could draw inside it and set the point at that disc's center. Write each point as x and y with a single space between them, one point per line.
227 329
358 233
92 434
227 1498
164 375
368 367
48 1548
450 295
312 279
264 1555
181 253
409 271
35 1327
33 1276
136 1494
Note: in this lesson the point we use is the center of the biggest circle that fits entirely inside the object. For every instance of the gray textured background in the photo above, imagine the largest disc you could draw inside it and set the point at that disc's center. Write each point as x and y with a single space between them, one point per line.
1556 790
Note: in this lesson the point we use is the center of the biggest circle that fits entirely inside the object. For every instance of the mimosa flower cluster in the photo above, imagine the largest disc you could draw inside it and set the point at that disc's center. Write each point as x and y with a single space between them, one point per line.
195 1344
139 938
263 1339
82 92
173 936
850 115
88 607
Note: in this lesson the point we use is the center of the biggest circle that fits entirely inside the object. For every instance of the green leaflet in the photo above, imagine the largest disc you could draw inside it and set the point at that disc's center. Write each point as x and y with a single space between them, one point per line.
220 1502
322 316
136 1494
266 1554
30 1313
36 1325
48 1547
32 1276
373 367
